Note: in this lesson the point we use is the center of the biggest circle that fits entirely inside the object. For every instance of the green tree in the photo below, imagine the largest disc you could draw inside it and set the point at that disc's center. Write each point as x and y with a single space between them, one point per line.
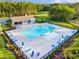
61 12
8 8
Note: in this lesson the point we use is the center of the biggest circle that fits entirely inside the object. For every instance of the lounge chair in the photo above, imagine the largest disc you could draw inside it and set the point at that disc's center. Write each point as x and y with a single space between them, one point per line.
28 50
58 42
14 39
66 37
22 43
32 54
11 35
73 31
38 54
53 45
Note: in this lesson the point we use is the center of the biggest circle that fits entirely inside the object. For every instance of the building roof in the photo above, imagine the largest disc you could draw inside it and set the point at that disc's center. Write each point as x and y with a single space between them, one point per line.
18 18
3 21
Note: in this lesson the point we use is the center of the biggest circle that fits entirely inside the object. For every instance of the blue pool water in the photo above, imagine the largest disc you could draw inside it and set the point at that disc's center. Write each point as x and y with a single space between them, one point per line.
35 31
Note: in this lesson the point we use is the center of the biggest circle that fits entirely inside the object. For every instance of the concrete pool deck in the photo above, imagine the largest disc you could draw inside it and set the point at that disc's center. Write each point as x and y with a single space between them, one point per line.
41 46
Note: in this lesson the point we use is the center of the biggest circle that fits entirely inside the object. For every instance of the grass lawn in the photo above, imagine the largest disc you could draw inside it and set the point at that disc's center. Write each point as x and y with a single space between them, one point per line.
60 23
4 27
65 24
2 44
38 13
76 43
4 53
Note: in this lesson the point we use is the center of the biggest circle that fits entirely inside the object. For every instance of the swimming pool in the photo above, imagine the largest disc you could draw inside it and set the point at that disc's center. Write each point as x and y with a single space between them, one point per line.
36 31
51 38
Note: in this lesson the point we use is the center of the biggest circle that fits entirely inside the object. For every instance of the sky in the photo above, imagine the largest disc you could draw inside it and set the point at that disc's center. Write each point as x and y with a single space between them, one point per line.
47 1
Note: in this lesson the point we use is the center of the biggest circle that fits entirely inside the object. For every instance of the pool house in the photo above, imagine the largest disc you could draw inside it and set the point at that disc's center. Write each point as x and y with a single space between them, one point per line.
22 20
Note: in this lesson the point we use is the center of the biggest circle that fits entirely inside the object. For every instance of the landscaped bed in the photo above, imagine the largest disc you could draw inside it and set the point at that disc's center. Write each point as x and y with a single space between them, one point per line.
4 53
73 50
